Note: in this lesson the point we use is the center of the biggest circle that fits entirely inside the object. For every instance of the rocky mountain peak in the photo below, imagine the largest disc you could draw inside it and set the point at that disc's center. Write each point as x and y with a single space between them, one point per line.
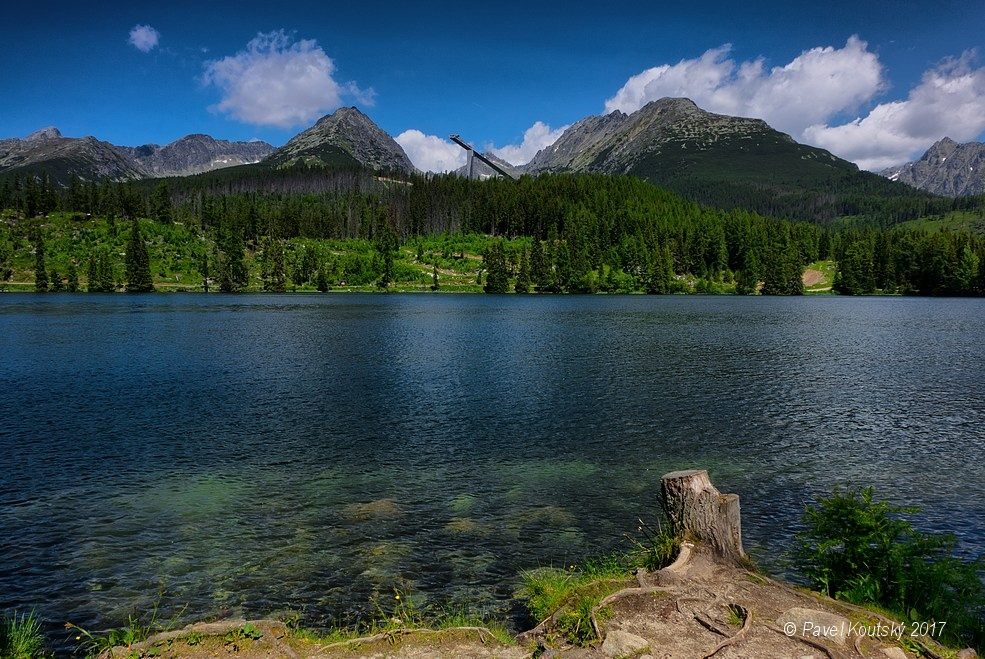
44 135
942 148
346 136
668 103
947 168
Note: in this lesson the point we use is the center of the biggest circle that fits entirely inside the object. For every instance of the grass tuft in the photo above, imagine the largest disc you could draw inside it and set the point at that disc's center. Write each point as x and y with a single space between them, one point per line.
21 636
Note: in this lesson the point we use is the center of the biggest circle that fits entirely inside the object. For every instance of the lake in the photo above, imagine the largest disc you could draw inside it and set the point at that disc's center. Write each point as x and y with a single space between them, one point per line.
256 454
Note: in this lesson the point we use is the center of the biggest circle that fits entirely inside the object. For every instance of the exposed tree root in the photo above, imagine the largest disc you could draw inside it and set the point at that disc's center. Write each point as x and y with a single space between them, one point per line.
738 636
832 654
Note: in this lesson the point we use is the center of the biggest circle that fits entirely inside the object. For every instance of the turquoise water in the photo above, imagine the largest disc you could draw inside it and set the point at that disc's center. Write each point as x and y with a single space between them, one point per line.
257 454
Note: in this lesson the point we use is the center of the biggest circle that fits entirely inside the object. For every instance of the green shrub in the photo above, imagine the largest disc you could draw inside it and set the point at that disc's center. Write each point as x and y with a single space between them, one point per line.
865 551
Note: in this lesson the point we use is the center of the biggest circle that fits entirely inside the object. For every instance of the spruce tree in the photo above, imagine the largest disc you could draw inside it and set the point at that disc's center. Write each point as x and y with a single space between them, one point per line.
434 277
966 273
523 276
385 246
275 278
160 203
657 282
538 265
233 273
321 281
56 285
494 260
73 277
40 269
747 281
855 271
204 270
6 265
138 262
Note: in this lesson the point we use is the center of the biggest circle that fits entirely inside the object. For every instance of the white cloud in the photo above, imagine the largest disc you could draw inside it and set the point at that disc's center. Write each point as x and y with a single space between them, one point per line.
535 138
812 88
430 153
277 81
144 38
949 101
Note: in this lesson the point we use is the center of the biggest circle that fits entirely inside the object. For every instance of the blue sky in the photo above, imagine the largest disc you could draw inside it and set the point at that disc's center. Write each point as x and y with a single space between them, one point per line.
492 71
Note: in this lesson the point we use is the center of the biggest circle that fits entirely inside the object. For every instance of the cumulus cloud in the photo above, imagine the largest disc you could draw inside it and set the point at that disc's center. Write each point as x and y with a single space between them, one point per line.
948 101
431 153
277 81
535 138
144 38
812 88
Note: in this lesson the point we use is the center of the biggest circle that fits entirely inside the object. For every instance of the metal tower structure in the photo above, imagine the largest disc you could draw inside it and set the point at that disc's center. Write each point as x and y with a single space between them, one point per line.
473 154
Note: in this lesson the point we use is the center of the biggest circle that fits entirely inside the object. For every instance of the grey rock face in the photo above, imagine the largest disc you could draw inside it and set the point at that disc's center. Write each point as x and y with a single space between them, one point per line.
346 133
947 168
195 154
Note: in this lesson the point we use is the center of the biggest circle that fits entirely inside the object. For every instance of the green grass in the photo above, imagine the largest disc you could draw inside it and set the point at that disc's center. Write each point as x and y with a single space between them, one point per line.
93 644
572 595
21 636
403 612
953 221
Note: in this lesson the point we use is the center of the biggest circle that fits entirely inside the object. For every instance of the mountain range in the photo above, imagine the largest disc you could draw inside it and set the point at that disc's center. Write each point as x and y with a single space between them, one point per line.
715 159
49 152
947 168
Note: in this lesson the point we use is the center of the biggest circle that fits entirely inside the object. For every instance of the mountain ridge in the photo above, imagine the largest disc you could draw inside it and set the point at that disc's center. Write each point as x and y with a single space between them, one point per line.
719 160
947 168
47 151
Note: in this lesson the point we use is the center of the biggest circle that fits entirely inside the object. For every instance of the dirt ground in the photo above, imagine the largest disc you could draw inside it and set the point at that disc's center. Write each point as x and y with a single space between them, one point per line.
813 277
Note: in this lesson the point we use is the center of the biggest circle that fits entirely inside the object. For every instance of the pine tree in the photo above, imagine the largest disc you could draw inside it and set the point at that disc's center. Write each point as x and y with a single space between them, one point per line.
6 265
385 246
494 260
73 277
204 270
138 262
160 203
434 277
321 281
747 282
275 278
562 267
57 286
659 279
539 268
523 276
966 273
40 269
855 271
233 274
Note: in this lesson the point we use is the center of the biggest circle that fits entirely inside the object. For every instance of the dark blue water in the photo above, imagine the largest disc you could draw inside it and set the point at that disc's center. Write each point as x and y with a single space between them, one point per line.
255 454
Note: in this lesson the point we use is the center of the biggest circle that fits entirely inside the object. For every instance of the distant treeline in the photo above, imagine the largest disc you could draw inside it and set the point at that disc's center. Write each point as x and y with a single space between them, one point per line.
590 232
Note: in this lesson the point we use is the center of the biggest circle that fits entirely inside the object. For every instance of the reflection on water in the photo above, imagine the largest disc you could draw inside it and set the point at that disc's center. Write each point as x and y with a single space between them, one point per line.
256 454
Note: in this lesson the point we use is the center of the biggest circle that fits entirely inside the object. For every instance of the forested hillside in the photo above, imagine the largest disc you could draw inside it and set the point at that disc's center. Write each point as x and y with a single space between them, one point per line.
255 229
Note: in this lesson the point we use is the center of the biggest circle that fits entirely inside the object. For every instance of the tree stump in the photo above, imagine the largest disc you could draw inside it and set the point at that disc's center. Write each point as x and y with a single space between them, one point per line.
700 513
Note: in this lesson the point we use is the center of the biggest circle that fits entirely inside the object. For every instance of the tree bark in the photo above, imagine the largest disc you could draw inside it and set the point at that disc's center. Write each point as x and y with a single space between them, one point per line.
699 513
